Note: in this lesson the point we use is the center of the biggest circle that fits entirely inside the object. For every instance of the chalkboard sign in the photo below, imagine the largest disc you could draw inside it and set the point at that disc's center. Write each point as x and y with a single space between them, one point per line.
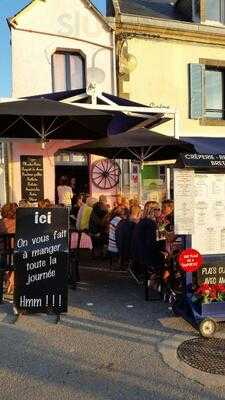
212 274
41 259
32 181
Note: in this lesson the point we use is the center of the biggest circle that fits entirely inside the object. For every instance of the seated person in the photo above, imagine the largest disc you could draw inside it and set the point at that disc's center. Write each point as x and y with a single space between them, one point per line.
44 203
84 214
167 214
8 225
78 202
23 203
118 214
124 233
145 252
98 225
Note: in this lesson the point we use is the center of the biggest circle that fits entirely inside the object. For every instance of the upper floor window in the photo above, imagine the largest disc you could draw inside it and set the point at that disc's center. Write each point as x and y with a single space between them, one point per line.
68 71
214 93
214 10
207 90
208 11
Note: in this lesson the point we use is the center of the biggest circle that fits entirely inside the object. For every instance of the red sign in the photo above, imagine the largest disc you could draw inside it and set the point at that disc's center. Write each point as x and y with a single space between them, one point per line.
190 260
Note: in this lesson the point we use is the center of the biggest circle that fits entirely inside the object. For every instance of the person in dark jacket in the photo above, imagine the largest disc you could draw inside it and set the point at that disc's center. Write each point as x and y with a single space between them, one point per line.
167 214
98 225
145 251
124 232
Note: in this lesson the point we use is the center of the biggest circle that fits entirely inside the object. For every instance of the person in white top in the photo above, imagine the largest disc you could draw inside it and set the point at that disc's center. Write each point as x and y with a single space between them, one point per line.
65 193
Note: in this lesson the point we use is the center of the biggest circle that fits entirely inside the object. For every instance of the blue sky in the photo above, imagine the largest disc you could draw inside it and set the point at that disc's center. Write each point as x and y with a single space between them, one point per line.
9 8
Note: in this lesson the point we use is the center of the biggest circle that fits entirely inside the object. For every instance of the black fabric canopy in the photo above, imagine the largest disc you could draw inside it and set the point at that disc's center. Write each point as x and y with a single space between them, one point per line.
207 145
138 144
48 119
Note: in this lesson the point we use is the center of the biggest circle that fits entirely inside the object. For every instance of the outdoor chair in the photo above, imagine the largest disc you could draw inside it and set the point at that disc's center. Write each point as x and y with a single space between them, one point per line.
7 241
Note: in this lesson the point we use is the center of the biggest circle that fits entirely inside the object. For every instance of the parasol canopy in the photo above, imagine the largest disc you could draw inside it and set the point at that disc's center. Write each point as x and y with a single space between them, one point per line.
48 119
138 144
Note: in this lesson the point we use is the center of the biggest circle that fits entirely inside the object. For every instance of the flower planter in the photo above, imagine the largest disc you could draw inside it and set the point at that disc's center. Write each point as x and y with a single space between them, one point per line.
213 309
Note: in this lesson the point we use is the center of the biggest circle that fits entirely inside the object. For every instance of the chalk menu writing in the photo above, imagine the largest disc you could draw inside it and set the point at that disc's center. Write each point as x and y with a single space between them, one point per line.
32 184
41 259
212 274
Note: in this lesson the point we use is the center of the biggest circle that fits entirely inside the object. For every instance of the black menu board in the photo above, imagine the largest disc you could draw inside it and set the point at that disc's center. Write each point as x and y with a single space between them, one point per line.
32 179
212 274
41 260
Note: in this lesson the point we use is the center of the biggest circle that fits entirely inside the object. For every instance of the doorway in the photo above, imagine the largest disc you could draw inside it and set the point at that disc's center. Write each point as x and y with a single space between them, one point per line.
72 166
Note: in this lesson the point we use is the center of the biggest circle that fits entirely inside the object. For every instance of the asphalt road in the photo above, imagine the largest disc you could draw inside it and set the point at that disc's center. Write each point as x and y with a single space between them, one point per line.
104 348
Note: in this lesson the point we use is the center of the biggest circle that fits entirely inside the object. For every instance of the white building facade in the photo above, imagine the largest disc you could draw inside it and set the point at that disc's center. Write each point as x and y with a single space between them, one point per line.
58 46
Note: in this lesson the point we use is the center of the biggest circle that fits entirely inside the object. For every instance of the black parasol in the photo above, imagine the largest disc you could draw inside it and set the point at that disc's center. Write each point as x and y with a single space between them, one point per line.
48 119
138 144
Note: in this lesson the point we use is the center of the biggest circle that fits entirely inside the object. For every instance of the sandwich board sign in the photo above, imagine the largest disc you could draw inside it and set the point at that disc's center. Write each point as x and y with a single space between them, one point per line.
41 260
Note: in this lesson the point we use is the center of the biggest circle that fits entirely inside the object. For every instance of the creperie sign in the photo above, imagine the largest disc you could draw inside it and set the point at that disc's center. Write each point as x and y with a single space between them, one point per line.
190 260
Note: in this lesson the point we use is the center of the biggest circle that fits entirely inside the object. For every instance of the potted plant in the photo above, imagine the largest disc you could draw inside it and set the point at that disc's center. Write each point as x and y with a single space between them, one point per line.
211 299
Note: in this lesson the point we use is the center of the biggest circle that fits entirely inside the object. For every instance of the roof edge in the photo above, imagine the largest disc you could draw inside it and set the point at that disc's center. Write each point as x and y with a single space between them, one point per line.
13 23
12 20
188 26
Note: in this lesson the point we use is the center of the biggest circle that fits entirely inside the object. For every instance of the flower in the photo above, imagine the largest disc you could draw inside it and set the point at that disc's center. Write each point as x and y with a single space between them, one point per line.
209 293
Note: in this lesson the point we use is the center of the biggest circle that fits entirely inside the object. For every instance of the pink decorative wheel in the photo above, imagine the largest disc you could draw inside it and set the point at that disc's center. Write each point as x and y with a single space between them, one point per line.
105 173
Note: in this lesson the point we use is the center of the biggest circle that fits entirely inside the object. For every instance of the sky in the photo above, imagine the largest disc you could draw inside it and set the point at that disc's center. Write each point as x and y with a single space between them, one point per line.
9 8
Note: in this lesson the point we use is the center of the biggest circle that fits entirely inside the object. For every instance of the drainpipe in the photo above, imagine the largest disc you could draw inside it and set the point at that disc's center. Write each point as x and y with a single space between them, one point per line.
169 170
9 172
114 77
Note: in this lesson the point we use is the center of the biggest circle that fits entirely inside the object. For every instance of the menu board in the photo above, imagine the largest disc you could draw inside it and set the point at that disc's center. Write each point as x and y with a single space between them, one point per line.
184 200
209 213
211 274
41 259
32 180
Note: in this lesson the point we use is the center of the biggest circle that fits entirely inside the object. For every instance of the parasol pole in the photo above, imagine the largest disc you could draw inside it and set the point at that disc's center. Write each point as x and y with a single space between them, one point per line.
142 167
140 186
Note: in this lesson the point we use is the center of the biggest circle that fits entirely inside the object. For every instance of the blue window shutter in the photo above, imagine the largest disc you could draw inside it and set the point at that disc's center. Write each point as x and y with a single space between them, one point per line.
196 90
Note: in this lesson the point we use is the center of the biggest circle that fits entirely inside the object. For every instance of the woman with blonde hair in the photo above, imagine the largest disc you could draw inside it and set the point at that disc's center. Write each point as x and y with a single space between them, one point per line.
84 214
148 211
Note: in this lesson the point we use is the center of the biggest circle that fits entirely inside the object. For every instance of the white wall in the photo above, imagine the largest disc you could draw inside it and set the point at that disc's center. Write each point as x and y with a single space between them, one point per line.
47 26
41 29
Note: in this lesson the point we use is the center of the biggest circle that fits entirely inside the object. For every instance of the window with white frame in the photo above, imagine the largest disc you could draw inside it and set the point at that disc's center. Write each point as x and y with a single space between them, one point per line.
68 71
207 91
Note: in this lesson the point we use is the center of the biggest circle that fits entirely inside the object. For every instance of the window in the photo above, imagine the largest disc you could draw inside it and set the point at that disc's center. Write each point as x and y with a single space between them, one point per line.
214 10
196 11
207 90
214 93
68 71
210 11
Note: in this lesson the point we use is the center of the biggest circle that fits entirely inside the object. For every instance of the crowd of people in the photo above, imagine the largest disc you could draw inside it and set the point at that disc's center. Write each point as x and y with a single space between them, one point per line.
136 237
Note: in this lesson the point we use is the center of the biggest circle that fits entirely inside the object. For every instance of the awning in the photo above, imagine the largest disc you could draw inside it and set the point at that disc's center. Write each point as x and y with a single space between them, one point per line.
127 113
207 145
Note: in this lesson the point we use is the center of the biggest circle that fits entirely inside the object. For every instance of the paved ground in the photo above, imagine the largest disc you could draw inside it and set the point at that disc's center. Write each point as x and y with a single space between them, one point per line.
106 347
